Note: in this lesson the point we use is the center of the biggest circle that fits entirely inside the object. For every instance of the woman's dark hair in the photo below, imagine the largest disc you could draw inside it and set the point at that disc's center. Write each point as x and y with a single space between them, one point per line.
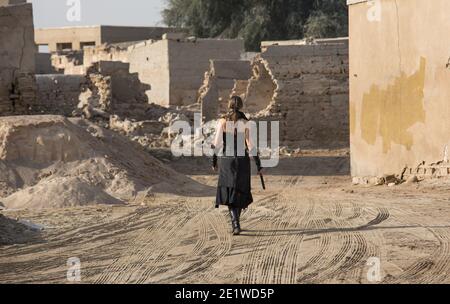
234 106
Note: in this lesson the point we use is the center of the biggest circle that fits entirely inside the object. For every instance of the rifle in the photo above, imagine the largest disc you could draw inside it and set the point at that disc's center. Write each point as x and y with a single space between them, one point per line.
263 184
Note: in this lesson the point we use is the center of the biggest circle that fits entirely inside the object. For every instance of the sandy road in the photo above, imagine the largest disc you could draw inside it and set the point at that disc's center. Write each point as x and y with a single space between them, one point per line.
302 230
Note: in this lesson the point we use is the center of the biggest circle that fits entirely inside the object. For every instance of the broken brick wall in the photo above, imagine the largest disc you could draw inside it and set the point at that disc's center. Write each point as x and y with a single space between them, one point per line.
58 94
107 87
225 78
305 87
17 58
68 62
189 59
106 52
128 93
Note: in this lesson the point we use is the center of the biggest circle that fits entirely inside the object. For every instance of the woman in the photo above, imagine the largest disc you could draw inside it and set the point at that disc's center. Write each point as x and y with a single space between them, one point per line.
234 186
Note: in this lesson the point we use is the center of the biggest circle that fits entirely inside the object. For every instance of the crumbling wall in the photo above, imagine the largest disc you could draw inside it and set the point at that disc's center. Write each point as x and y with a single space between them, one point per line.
17 58
128 93
260 89
58 94
69 63
220 83
310 98
107 88
106 52
189 59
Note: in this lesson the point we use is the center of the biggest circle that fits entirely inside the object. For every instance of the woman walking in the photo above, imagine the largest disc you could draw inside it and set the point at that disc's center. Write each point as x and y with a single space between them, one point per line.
234 186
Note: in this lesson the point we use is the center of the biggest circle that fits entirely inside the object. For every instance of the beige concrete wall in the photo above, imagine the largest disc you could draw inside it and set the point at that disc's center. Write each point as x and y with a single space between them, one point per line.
150 61
98 34
189 60
399 85
17 59
74 35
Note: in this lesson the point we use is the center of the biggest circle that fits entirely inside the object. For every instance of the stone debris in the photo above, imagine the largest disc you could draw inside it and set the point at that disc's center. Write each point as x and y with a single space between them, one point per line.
423 170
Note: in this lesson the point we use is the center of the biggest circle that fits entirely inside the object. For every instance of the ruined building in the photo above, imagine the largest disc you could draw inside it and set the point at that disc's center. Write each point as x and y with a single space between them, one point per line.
17 57
172 67
399 88
223 79
302 85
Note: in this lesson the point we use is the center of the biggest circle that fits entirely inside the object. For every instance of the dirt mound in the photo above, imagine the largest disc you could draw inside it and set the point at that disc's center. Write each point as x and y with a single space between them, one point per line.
13 232
51 161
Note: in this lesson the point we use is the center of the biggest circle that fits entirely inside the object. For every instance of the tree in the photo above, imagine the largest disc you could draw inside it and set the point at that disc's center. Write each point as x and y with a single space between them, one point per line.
327 19
258 20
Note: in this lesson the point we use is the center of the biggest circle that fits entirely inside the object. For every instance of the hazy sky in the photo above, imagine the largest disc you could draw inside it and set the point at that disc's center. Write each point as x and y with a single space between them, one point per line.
53 13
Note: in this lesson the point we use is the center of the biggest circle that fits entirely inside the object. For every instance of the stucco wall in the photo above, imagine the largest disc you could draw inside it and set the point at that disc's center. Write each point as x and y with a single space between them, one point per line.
17 59
189 60
399 85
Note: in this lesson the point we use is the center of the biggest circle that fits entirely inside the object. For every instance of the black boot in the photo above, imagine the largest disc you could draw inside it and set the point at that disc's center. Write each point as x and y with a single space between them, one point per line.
235 214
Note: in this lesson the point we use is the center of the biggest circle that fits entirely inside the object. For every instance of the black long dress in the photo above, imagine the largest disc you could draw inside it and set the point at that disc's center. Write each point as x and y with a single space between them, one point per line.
234 186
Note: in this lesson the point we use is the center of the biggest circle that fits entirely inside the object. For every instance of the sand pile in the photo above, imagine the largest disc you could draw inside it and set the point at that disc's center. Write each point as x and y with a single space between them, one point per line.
51 161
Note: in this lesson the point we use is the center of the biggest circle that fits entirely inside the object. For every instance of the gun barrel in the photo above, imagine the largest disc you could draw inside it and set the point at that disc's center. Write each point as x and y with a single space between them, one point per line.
263 184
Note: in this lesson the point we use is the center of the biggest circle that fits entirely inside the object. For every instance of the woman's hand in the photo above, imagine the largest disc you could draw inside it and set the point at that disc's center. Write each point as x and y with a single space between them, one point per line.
214 168
261 172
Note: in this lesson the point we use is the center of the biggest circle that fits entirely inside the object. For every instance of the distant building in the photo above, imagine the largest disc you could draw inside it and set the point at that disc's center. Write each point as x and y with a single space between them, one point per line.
399 88
76 38
175 68
11 2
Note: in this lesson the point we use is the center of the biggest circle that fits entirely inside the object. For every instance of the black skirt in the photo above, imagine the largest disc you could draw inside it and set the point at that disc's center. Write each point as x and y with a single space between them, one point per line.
234 186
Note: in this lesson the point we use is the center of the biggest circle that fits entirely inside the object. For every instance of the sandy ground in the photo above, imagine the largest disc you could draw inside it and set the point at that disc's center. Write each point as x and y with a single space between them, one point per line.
310 226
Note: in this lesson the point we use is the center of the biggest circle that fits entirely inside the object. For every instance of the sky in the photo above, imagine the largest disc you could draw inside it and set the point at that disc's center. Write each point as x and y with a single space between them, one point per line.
53 13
